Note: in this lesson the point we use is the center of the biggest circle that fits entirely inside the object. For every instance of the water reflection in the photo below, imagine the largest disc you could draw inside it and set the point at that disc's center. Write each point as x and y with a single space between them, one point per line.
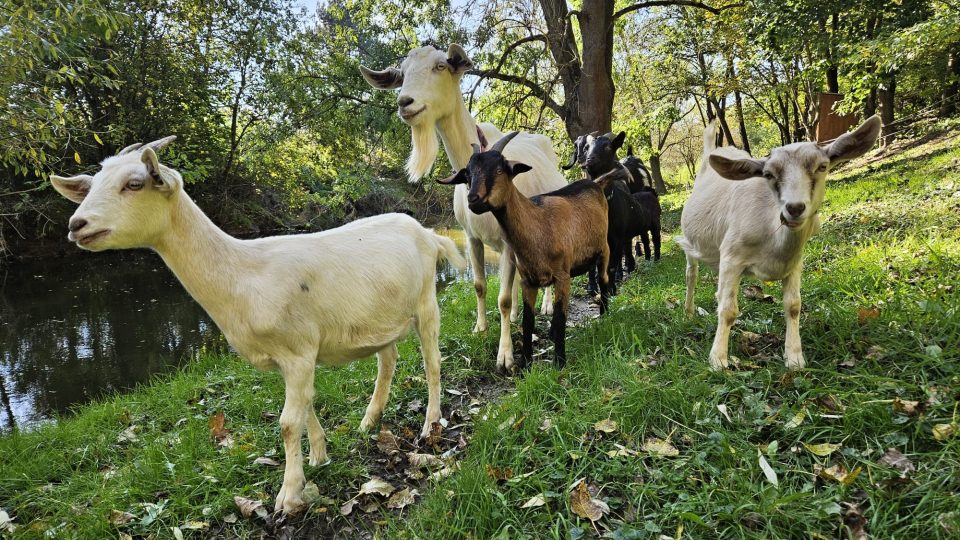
447 274
76 329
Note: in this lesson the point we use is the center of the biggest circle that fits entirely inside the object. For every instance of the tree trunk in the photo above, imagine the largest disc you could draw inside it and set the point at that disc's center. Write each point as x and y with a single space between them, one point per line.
870 104
731 71
657 174
886 95
596 87
951 91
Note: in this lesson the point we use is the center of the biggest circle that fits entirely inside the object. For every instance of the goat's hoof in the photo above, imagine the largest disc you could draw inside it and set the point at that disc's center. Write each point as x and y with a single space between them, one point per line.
289 500
718 363
478 328
795 362
368 422
319 459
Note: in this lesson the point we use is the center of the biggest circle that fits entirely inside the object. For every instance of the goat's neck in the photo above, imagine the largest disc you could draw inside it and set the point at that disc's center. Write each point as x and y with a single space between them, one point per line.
517 217
789 242
201 255
458 131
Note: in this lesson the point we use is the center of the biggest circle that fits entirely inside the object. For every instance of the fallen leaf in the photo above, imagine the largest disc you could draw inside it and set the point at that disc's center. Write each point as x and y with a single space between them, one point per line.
269 462
128 435
433 438
659 447
829 403
454 392
415 405
546 425
875 352
837 473
250 507
445 472
822 450
942 432
230 518
534 502
866 314
606 426
907 407
621 451
120 518
347 508
702 312
756 293
376 485
218 433
894 458
499 474
402 498
586 506
387 442
310 493
768 471
950 522
177 533
723 410
796 420
420 461
6 523
855 522
195 526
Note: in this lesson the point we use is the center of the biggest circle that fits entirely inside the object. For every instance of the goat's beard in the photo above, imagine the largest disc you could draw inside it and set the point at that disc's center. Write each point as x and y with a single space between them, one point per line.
423 151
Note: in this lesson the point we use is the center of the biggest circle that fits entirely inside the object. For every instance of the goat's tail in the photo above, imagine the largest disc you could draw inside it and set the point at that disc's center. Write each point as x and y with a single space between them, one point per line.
448 250
709 142
686 246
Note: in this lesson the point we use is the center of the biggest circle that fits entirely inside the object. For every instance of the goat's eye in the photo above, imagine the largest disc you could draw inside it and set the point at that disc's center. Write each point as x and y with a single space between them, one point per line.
822 167
769 175
134 185
440 67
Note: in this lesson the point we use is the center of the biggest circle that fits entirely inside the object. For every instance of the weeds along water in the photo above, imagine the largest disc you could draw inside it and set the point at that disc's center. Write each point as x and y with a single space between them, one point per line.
636 431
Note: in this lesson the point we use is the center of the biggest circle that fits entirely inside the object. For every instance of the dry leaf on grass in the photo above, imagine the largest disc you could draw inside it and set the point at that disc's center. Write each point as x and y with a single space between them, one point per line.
310 493
218 433
894 458
723 410
128 435
195 526
854 521
822 450
754 292
546 425
906 406
376 485
402 498
6 523
436 431
269 462
796 420
120 518
387 442
347 508
768 472
499 474
606 426
837 473
250 507
586 506
421 461
659 447
535 502
866 314
621 451
942 432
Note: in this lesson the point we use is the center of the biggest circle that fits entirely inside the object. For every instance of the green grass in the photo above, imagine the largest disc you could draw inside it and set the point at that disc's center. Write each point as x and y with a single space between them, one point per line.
890 241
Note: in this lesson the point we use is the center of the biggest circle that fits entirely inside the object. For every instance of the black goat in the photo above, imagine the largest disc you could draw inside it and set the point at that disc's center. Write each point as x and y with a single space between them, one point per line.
597 155
649 222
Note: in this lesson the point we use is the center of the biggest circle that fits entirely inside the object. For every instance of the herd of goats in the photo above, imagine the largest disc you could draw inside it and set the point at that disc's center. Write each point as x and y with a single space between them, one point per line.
291 302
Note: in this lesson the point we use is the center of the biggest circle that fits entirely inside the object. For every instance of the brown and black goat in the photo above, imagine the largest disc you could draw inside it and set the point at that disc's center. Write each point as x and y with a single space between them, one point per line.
554 236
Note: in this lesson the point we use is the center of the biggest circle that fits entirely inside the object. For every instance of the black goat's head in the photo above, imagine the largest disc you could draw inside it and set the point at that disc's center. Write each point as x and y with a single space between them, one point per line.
600 154
489 177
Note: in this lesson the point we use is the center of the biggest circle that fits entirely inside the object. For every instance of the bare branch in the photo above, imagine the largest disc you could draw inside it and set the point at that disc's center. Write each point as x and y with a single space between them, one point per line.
535 89
515 44
688 3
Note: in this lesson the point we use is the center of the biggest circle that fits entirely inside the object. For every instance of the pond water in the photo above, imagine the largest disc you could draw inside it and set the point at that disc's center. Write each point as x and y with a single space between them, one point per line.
78 328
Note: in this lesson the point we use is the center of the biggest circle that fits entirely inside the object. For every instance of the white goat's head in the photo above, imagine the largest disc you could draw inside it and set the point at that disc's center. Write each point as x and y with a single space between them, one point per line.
126 204
797 172
429 83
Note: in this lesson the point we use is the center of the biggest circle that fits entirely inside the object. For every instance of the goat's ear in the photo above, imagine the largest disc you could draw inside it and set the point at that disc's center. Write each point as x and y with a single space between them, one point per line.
74 188
164 179
856 143
458 60
736 169
619 140
516 168
459 178
387 79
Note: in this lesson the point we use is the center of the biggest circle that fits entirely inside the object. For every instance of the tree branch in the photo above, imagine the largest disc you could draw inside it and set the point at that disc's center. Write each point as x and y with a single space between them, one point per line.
515 44
535 89
688 3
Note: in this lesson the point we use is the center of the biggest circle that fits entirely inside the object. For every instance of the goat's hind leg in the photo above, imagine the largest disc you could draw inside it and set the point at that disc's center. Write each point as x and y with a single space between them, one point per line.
318 440
505 301
728 285
386 364
558 325
546 306
428 330
693 267
479 282
793 351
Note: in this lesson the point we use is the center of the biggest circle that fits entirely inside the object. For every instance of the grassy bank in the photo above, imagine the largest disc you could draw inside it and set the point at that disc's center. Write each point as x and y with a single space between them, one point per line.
667 447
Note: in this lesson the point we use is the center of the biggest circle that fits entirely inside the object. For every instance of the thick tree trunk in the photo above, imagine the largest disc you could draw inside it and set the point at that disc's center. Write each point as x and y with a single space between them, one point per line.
596 87
870 104
951 90
833 79
657 174
886 95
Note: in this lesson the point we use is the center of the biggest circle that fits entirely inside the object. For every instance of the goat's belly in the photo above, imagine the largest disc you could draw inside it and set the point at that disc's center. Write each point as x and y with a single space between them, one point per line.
769 271
358 343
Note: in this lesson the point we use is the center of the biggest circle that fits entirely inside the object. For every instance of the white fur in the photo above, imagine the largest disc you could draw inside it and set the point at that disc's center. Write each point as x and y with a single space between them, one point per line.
283 302
742 226
433 83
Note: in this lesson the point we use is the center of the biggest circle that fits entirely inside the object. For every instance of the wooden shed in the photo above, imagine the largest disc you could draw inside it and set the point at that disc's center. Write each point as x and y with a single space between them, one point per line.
832 124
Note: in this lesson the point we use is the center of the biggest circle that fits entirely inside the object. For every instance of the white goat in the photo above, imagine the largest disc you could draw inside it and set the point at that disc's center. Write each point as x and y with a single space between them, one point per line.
284 302
759 224
430 102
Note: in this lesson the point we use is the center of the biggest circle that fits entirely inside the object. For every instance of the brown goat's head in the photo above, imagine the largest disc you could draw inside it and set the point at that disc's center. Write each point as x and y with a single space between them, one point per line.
487 176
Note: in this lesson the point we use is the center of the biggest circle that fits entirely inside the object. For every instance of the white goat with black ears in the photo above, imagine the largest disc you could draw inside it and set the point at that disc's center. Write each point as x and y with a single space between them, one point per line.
759 223
430 102
283 302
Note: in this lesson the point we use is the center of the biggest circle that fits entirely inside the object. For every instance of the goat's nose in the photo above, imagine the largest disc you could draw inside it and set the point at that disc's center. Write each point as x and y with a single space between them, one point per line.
76 224
472 198
403 101
795 209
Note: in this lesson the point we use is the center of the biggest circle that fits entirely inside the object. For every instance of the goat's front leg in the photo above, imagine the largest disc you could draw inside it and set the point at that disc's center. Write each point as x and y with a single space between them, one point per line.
645 239
298 386
318 440
728 283
558 325
508 270
479 282
515 299
428 330
386 364
693 267
528 325
793 351
656 243
605 284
